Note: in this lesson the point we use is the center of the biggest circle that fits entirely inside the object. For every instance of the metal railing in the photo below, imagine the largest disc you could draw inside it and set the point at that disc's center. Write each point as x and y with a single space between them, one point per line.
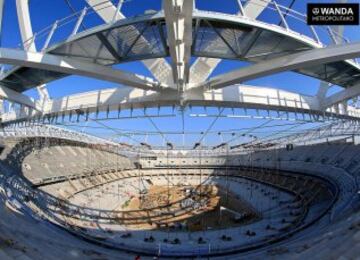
44 38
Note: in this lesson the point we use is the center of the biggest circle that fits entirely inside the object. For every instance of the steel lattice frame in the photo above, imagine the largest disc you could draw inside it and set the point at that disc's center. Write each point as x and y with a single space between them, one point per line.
178 83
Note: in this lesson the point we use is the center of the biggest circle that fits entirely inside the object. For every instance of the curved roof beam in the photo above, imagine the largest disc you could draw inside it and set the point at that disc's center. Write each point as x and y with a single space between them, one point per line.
203 67
23 13
22 78
240 96
285 63
24 20
64 65
160 68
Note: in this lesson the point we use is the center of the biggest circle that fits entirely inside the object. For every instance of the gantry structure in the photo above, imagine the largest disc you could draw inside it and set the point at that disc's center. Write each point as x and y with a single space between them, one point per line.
165 41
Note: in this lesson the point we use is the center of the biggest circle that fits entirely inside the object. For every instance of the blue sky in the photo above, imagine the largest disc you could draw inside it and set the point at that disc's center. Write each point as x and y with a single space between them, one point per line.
45 12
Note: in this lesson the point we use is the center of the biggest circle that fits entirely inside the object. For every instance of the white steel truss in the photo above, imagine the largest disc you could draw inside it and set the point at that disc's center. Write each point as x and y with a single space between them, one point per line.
73 66
23 14
192 89
203 67
160 68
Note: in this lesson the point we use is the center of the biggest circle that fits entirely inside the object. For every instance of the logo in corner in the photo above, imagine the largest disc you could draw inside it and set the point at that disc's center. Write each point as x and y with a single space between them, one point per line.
315 11
333 14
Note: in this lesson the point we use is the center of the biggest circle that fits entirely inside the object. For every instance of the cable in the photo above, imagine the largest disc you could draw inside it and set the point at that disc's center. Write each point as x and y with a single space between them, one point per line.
72 9
113 129
251 129
211 125
158 129
288 9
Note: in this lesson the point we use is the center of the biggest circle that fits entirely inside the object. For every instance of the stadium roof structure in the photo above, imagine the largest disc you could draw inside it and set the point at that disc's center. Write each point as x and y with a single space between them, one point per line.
177 128
181 46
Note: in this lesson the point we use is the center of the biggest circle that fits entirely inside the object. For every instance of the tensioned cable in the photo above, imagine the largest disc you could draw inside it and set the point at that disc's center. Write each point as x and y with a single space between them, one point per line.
278 139
158 129
288 9
113 129
252 129
316 132
279 132
310 130
75 13
141 132
211 125
273 133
